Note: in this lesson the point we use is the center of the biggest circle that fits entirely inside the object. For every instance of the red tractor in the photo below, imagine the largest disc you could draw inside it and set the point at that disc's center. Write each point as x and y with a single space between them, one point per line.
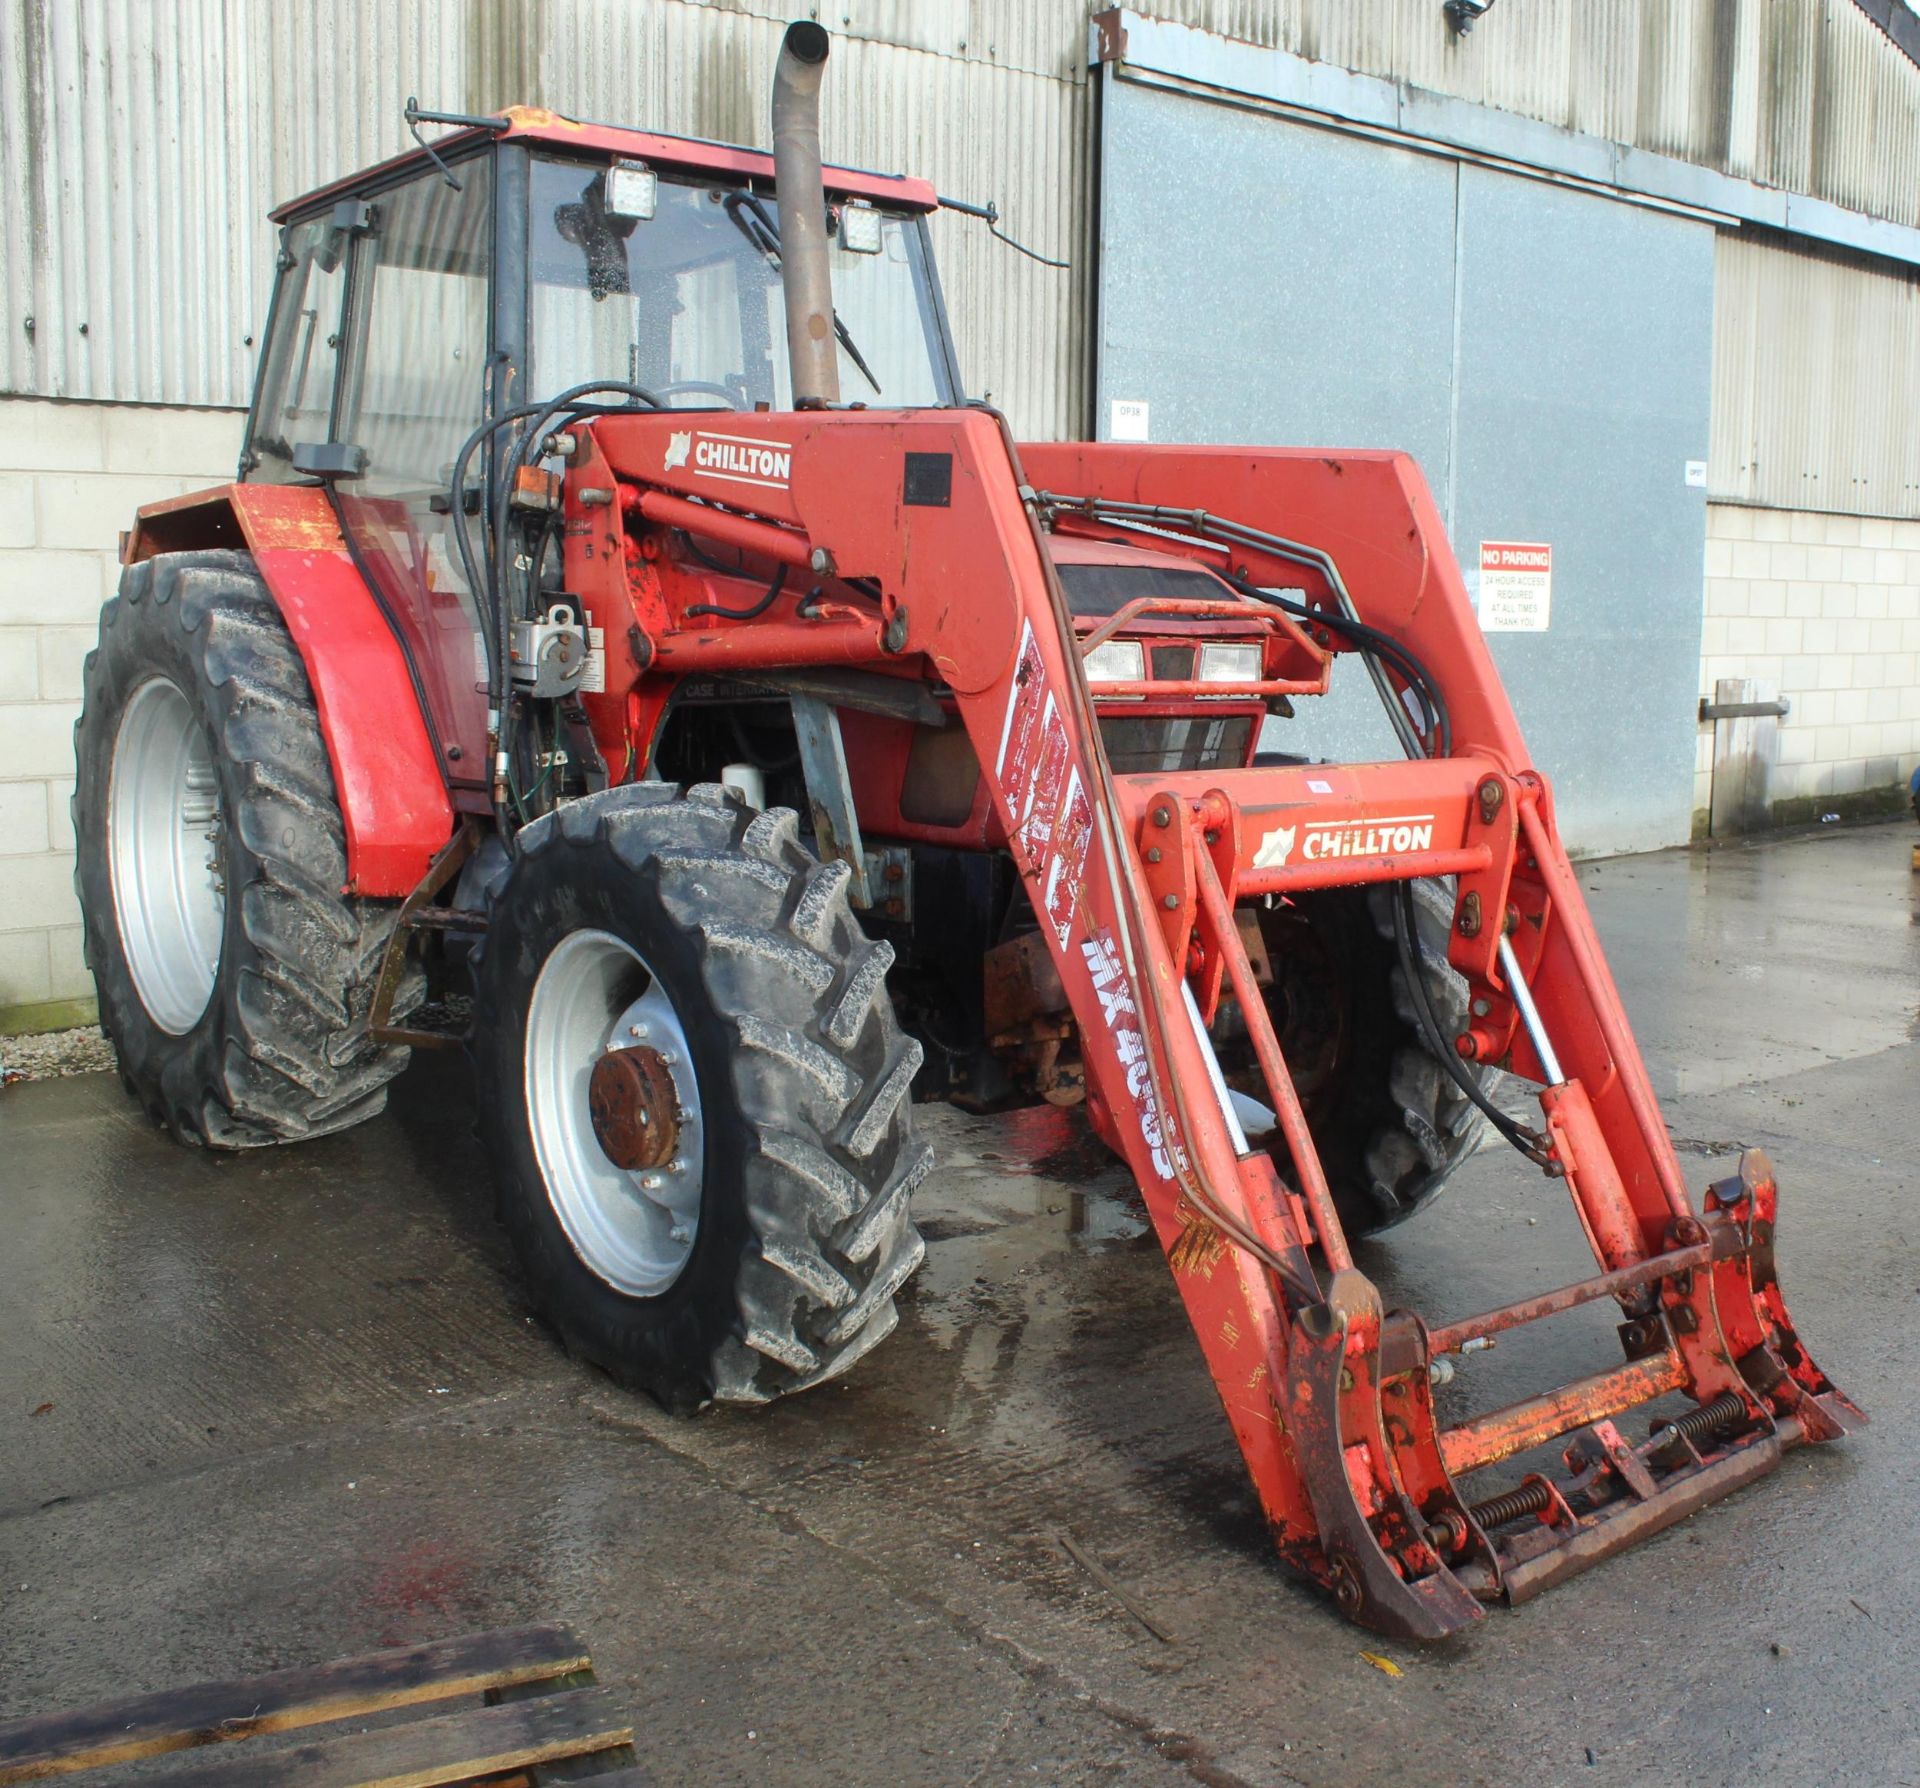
620 605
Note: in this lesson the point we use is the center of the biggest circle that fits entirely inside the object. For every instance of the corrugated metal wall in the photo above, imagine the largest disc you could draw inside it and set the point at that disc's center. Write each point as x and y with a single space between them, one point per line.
143 140
1807 95
149 138
1816 380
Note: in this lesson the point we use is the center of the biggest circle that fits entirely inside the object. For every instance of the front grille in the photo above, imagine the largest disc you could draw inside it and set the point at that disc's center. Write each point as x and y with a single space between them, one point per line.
1140 745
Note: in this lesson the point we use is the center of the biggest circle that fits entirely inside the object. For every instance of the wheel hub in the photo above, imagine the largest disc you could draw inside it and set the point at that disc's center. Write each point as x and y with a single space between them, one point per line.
635 1108
614 1110
165 844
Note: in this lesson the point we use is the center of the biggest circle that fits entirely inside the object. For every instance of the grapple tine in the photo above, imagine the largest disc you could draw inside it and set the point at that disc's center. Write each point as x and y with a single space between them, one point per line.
1753 1311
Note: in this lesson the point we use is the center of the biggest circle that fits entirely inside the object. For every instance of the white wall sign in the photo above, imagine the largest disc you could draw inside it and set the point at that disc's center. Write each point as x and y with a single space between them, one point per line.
1128 420
1516 586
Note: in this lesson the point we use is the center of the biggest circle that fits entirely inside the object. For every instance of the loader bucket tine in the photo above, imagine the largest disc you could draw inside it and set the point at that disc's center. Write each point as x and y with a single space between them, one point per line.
1384 1571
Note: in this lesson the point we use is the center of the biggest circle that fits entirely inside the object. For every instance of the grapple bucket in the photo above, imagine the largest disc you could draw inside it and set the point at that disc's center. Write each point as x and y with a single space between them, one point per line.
1387 1523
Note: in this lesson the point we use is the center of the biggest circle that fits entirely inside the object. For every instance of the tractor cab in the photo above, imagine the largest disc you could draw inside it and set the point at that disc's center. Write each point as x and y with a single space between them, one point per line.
520 257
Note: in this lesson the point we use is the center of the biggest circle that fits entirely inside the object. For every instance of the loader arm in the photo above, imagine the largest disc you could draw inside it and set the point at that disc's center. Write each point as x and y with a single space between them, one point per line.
935 520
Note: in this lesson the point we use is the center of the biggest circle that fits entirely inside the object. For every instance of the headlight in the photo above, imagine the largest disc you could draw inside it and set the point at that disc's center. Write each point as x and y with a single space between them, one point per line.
1230 664
859 228
630 191
1118 661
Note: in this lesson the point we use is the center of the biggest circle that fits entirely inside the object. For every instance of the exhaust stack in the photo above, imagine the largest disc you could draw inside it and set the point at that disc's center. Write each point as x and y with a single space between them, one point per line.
804 272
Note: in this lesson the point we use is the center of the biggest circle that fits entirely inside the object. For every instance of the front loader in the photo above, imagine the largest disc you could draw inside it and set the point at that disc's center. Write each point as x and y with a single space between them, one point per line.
621 615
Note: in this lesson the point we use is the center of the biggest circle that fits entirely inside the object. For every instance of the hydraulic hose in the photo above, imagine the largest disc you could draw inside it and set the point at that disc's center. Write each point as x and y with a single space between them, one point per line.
753 611
497 599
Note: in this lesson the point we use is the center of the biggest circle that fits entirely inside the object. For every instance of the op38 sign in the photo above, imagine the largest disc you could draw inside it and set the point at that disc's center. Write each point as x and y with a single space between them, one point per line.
1516 586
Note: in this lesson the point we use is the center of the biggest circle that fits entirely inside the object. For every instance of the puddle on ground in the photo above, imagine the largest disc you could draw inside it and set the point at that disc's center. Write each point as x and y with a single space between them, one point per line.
1041 1166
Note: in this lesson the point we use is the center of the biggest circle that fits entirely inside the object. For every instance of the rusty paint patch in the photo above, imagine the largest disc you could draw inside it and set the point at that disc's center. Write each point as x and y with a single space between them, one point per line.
313 531
1199 1245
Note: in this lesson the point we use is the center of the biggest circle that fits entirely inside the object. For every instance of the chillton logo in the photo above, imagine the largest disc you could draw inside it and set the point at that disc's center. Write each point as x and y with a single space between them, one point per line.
1347 838
737 459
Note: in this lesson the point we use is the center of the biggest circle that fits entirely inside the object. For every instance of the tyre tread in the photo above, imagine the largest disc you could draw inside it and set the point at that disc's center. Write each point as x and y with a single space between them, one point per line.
294 1058
821 1077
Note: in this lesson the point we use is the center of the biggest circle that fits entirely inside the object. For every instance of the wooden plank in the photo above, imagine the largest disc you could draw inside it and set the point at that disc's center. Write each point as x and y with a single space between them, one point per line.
215 1712
429 1753
567 1769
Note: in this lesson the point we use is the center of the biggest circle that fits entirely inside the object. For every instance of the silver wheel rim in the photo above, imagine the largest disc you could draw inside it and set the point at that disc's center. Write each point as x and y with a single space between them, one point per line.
163 853
634 1230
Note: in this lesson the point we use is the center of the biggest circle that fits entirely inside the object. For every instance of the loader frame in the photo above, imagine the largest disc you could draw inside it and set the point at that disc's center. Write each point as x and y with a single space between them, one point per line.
1134 880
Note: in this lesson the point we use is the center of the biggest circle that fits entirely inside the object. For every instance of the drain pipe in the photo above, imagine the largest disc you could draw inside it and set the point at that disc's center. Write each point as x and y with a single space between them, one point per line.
804 272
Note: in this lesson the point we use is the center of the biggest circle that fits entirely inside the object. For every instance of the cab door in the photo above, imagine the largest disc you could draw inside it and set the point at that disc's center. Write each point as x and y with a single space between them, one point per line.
412 388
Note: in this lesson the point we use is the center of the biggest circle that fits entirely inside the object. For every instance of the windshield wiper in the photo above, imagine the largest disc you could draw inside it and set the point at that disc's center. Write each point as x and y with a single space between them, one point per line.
750 218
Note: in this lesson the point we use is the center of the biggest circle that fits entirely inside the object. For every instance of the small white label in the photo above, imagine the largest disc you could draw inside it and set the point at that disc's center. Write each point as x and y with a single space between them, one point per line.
1128 420
1697 473
1316 787
593 674
1516 586
480 658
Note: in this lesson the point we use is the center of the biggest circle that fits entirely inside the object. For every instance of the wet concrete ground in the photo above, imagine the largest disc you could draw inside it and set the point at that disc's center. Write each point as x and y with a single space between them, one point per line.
298 1409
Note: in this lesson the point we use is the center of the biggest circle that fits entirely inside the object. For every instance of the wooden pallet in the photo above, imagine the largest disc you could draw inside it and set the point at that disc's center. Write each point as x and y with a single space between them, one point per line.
541 1721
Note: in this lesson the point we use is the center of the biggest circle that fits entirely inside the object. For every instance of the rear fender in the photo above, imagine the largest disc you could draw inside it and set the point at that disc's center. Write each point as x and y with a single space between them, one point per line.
392 796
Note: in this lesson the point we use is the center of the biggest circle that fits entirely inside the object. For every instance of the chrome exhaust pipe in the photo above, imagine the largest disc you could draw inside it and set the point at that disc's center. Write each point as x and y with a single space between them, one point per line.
805 276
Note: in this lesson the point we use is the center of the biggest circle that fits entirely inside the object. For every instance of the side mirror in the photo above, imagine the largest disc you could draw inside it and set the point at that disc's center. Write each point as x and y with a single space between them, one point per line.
328 460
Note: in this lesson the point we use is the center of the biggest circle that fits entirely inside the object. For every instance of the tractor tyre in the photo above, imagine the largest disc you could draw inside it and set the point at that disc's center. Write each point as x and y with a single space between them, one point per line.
1390 1123
234 977
695 1096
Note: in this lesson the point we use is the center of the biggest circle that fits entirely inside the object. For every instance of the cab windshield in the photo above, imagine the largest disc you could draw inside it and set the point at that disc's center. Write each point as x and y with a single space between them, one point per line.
687 303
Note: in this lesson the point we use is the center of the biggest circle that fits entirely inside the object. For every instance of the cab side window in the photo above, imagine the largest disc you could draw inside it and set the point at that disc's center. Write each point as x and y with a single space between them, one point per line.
415 385
296 387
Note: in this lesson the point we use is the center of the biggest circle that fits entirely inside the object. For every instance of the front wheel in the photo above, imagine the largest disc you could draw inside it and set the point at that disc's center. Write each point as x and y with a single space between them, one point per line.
1391 1125
695 1096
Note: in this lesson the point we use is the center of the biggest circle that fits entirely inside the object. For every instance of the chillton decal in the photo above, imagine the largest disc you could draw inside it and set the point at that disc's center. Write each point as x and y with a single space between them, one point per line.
734 459
1346 838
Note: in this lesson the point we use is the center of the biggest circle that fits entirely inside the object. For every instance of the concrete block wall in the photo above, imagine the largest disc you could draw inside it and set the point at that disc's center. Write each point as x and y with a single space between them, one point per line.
71 476
1826 609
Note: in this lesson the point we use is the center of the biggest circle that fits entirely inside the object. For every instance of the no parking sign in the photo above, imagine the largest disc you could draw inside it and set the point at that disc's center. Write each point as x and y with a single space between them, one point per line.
1516 586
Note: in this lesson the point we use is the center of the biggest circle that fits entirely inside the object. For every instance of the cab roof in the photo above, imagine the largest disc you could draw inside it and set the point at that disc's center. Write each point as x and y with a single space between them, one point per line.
531 124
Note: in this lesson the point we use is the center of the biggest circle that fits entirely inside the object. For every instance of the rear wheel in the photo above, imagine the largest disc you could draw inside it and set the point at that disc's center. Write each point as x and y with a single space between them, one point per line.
234 977
695 1096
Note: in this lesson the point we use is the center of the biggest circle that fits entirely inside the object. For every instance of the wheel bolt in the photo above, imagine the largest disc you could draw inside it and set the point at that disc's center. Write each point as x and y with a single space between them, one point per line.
636 1030
649 1182
680 1233
676 1165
